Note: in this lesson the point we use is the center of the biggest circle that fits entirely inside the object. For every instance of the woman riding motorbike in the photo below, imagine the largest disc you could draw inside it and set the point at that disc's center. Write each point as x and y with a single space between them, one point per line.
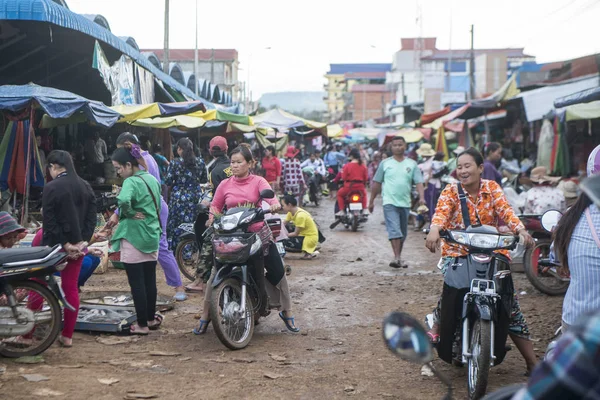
241 189
355 177
487 204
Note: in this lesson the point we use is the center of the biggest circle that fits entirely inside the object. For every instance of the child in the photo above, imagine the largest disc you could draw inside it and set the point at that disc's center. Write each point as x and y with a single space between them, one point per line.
306 235
10 231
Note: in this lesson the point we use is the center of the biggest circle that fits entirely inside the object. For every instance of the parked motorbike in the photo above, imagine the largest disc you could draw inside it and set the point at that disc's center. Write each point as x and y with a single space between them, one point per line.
30 312
355 214
237 301
405 337
541 272
476 302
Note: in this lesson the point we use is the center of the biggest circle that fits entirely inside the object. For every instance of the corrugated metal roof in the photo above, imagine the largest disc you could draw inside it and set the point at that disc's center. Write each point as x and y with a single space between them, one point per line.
50 12
348 68
203 54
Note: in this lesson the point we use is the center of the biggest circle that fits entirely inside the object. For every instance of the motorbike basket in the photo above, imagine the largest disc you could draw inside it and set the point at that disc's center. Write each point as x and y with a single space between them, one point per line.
234 248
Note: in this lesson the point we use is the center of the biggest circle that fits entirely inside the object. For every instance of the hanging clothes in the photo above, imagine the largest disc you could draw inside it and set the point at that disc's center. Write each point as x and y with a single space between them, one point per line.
545 145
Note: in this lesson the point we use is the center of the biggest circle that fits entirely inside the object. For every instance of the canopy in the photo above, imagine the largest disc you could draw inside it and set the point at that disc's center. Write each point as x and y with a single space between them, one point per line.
217 115
282 120
139 111
182 122
583 111
438 123
58 104
409 135
334 131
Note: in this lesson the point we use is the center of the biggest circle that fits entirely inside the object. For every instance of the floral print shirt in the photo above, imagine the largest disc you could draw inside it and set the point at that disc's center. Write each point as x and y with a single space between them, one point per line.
491 206
540 199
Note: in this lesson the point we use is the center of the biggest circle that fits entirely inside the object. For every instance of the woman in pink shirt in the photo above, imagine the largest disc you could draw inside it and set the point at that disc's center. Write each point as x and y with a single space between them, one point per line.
244 189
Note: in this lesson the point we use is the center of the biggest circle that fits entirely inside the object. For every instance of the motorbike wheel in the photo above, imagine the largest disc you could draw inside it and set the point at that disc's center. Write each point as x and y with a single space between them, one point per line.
354 223
479 362
187 255
234 332
47 321
544 282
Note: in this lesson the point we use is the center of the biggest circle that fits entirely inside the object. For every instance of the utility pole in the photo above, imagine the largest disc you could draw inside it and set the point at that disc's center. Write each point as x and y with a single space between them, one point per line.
196 53
166 50
212 66
472 64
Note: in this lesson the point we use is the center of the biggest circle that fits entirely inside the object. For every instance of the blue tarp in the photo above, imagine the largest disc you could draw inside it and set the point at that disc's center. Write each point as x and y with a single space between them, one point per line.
56 103
50 12
584 96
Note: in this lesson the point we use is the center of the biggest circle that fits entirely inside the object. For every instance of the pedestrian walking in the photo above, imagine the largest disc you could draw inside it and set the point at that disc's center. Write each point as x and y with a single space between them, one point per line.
293 178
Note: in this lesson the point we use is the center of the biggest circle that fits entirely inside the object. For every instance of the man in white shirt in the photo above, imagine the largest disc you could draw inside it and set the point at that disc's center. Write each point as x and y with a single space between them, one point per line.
95 154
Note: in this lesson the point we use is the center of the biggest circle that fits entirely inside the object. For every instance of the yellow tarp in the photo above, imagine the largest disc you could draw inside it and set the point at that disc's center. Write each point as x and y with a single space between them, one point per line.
212 115
583 111
179 121
410 135
334 131
137 111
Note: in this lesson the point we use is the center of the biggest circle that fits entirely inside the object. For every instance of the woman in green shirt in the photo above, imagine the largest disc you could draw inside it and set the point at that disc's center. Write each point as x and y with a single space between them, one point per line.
138 234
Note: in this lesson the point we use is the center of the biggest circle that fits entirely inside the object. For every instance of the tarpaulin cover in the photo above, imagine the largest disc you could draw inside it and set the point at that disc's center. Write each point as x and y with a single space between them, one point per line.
539 102
282 120
134 112
179 121
334 131
14 149
583 111
56 103
429 118
409 135
585 96
217 115
447 118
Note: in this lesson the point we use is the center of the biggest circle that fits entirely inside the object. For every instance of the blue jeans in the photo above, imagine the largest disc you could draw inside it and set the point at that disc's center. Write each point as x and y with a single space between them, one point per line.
396 221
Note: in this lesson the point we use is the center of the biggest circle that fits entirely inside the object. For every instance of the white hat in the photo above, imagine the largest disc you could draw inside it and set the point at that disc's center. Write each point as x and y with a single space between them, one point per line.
459 150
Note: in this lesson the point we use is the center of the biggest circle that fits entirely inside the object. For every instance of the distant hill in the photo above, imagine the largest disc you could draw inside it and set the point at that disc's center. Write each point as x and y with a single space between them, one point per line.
294 101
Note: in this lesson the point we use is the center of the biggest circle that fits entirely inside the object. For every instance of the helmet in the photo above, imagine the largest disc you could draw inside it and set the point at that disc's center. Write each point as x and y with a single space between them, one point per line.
593 164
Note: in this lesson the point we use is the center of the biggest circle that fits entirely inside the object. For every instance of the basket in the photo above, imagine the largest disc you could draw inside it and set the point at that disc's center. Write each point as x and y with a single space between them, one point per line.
233 249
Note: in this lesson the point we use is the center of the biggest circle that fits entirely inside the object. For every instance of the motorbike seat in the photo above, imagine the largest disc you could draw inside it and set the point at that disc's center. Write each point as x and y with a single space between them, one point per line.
8 256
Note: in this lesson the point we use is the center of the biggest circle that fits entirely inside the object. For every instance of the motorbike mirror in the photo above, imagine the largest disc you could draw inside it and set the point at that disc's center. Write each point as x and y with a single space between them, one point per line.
405 337
550 219
267 194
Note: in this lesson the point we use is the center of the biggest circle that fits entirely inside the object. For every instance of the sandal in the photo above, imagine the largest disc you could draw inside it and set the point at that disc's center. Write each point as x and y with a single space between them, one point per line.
61 341
309 256
434 338
156 322
134 331
289 323
201 330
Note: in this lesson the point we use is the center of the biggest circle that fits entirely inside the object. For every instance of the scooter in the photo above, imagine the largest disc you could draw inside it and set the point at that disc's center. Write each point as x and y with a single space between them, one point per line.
540 270
30 299
355 214
476 301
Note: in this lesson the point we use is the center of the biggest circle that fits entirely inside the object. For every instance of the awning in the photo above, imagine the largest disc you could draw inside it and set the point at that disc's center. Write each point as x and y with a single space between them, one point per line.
429 118
282 120
447 118
135 112
585 96
217 115
57 104
181 122
583 111
539 102
409 135
334 131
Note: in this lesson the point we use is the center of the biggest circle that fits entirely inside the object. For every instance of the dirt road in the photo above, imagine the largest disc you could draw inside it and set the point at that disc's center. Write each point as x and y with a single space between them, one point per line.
339 353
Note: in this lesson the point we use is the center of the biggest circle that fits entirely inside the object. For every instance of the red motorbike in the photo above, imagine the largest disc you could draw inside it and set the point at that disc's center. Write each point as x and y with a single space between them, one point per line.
355 214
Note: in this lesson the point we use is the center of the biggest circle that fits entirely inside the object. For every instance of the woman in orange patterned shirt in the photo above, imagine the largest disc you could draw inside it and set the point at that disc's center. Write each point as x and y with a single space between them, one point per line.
486 201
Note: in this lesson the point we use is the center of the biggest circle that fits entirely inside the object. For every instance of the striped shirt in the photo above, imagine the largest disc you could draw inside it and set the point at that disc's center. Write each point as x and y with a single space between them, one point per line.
584 264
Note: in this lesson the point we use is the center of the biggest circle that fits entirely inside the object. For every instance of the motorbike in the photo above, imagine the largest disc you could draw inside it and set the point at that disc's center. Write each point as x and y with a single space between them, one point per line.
237 300
541 272
476 304
355 214
405 337
30 299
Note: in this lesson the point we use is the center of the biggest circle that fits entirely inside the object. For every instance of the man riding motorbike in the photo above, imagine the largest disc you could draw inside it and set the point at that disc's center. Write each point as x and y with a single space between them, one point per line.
486 204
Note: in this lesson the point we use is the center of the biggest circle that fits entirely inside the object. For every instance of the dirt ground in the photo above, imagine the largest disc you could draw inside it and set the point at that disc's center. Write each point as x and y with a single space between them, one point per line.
338 354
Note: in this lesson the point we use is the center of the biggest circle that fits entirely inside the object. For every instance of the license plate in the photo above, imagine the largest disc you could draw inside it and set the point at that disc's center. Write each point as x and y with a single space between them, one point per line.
280 248
355 207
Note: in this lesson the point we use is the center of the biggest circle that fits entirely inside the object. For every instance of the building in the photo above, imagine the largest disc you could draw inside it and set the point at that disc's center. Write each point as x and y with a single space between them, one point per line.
341 79
426 77
217 66
369 101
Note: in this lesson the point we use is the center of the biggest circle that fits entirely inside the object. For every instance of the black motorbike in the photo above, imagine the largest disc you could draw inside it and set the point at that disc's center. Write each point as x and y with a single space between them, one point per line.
476 303
238 295
30 299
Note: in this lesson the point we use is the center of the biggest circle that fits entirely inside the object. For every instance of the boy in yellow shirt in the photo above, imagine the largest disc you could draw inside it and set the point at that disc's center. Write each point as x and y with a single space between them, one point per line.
306 234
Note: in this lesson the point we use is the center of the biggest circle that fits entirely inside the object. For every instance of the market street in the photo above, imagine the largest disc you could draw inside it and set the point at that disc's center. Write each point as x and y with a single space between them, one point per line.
340 300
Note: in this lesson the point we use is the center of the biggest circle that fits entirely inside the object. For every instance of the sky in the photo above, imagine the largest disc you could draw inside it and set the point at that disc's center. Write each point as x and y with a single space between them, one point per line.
288 45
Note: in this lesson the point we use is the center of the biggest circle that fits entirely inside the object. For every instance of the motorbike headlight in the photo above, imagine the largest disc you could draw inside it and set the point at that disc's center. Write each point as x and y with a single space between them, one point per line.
483 241
230 222
506 241
460 237
256 246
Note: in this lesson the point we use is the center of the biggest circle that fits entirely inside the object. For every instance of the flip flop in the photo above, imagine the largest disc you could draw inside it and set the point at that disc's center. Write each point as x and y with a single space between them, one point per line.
309 256
434 338
158 319
201 330
289 323
395 264
193 289
133 331
61 341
